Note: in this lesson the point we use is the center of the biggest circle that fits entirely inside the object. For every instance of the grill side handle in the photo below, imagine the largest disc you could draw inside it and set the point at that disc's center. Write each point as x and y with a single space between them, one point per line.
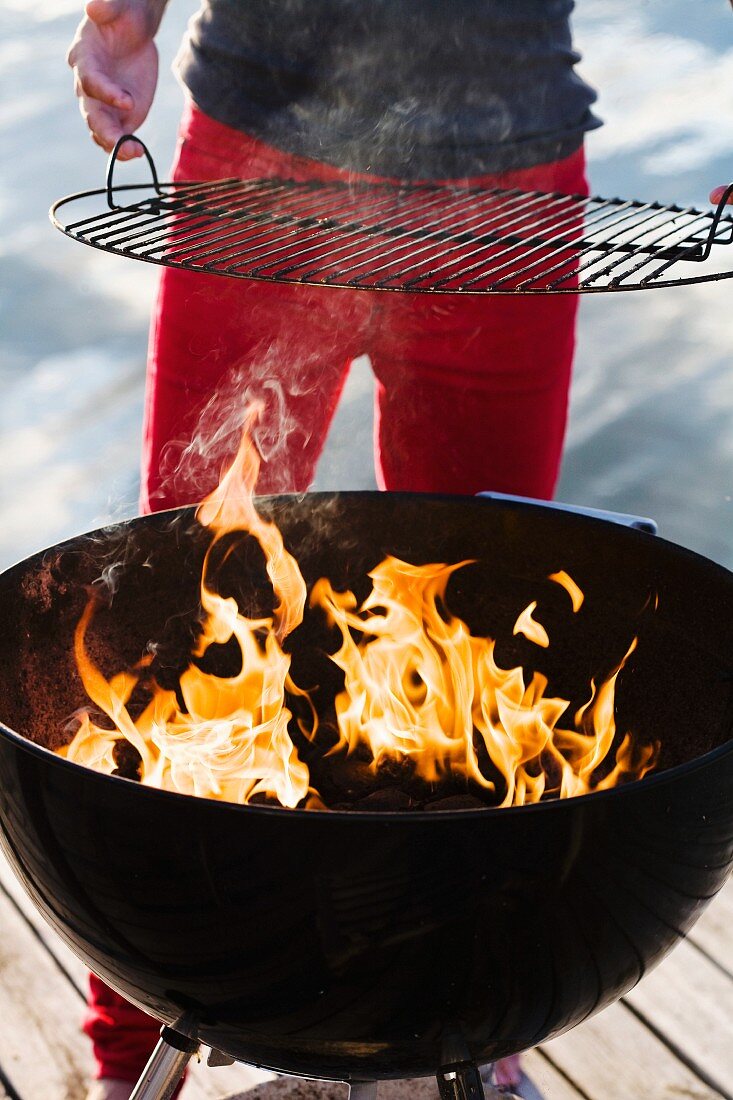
111 170
640 523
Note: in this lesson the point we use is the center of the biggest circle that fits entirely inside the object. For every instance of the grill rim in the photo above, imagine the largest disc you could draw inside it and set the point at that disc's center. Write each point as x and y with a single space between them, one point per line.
652 779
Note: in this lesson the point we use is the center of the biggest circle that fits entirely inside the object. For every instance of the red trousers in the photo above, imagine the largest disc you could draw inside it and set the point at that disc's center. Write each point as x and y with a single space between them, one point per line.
471 394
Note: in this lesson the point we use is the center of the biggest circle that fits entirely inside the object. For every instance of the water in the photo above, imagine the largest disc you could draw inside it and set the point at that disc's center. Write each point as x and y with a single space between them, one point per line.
651 424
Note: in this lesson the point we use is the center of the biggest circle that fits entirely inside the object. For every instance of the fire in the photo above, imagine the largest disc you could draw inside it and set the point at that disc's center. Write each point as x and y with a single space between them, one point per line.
230 740
420 687
531 629
567 582
420 691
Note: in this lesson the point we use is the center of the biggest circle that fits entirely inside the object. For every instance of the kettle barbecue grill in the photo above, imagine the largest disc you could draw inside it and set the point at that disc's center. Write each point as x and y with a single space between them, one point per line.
359 946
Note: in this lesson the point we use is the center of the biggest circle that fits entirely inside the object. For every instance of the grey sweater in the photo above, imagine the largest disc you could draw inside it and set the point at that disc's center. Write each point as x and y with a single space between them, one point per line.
403 88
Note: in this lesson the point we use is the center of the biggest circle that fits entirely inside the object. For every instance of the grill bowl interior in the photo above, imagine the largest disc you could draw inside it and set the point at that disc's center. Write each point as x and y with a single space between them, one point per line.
376 944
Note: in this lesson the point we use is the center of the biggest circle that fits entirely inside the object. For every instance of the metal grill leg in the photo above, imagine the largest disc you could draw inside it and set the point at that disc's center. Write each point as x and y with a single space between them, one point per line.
462 1081
165 1066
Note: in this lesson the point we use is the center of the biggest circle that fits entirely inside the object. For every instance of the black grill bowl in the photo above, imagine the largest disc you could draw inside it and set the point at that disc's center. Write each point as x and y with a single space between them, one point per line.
377 945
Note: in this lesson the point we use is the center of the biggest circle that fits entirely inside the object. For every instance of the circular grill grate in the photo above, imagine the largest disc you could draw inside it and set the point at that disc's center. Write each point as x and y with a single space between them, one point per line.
422 238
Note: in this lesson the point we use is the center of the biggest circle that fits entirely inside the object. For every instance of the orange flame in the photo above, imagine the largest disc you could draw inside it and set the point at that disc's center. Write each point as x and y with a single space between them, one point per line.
531 629
230 740
419 688
231 508
567 582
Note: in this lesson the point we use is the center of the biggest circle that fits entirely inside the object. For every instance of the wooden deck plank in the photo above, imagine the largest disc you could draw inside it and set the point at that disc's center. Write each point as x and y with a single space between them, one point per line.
615 1057
713 933
55 946
548 1079
43 1053
689 1000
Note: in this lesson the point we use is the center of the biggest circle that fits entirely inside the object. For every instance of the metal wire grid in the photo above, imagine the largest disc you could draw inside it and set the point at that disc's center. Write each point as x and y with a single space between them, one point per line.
419 238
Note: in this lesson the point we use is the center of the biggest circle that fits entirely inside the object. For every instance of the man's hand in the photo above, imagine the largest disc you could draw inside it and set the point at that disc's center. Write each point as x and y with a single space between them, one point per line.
115 64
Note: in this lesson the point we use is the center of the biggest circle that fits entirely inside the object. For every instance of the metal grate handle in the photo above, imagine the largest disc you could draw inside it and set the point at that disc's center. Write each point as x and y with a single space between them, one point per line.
113 160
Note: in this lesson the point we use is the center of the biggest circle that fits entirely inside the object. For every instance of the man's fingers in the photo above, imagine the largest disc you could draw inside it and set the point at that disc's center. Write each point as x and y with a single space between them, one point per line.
127 152
96 85
106 129
105 11
717 194
123 154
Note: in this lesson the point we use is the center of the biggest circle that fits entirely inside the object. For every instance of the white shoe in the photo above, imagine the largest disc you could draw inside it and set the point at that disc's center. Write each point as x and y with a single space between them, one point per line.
110 1088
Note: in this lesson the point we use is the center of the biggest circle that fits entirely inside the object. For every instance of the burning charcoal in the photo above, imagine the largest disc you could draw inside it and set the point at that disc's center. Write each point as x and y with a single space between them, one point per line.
347 777
262 798
457 802
389 799
127 759
395 771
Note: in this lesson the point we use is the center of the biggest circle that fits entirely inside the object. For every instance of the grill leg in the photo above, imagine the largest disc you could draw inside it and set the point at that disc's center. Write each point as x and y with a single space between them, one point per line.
462 1081
165 1066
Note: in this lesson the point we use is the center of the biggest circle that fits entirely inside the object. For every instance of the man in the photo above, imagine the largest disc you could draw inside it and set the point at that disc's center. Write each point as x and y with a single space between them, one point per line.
471 393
